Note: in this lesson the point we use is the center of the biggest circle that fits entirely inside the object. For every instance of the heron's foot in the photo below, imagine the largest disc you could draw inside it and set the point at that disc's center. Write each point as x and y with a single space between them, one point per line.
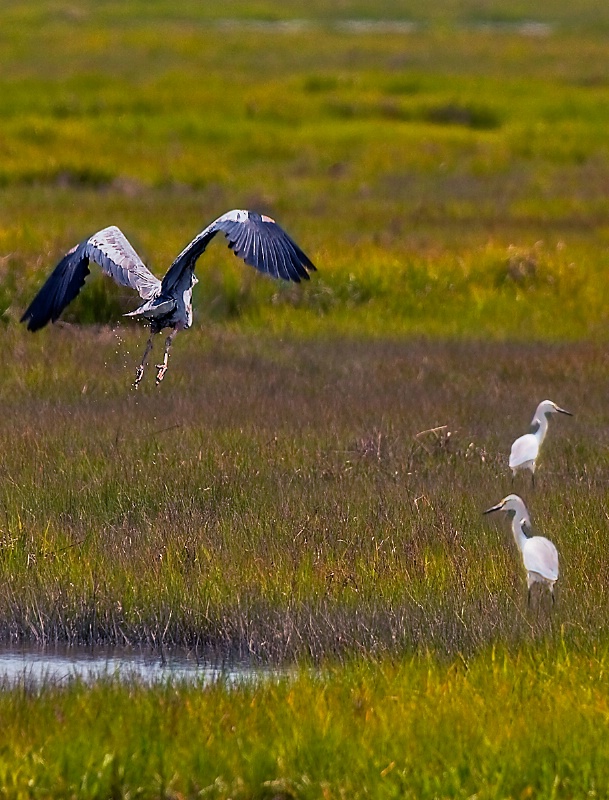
162 369
139 374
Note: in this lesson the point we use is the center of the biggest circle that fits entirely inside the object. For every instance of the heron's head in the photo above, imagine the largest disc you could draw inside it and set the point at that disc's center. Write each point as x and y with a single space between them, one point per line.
512 504
547 407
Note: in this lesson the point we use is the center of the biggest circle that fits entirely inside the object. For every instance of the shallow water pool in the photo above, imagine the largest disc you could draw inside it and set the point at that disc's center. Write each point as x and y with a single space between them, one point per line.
37 665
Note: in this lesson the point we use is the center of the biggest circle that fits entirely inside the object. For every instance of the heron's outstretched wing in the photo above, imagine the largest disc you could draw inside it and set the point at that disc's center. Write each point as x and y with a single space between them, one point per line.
110 249
540 555
255 238
524 449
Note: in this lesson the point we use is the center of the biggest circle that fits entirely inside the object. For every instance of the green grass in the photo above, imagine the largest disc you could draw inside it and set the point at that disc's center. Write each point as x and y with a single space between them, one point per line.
420 171
281 496
498 726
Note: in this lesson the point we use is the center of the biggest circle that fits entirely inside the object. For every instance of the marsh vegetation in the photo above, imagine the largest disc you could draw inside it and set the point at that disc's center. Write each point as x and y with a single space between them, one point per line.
288 498
306 488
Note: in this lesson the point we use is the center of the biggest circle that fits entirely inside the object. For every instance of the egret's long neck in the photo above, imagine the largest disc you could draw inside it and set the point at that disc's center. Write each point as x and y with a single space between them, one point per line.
517 530
540 433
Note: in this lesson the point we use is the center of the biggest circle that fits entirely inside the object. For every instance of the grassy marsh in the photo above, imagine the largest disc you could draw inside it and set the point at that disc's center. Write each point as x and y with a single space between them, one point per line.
450 181
275 500
282 496
497 726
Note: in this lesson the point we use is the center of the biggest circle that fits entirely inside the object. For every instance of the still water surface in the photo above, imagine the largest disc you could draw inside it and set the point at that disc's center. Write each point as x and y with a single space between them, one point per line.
35 665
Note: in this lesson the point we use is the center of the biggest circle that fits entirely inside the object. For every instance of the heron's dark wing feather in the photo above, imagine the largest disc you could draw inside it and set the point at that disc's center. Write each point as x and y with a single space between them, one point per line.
255 238
59 289
110 249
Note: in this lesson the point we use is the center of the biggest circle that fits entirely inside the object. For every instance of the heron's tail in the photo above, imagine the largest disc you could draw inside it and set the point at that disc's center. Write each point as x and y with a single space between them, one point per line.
157 307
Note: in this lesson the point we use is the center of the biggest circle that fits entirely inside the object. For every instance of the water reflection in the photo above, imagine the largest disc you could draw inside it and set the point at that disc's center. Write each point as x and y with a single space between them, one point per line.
525 27
35 665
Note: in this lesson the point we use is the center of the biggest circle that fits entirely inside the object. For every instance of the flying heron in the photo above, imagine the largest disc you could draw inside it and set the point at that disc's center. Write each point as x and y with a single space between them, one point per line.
525 449
539 555
255 238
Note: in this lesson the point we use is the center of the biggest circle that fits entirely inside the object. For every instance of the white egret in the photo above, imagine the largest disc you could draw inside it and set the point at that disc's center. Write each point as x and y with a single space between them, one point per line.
539 555
525 449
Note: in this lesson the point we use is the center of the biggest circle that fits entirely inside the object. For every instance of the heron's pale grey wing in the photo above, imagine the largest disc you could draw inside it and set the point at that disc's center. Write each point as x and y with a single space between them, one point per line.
113 252
255 238
110 249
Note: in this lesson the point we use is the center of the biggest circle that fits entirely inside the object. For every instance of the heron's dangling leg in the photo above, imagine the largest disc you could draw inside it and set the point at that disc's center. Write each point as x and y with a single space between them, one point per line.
162 368
529 598
533 479
140 370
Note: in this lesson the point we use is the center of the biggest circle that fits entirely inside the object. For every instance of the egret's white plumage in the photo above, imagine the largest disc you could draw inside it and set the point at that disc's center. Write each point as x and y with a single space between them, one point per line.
525 449
539 555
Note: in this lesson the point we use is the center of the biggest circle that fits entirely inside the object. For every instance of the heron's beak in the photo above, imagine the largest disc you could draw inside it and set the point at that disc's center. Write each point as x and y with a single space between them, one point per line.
498 507
564 411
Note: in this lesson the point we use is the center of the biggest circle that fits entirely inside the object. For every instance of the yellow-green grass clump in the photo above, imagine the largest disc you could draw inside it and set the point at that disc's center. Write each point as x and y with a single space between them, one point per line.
450 181
499 725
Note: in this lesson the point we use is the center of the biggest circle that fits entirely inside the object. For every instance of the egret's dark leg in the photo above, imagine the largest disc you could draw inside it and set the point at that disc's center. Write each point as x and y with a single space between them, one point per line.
533 479
140 370
162 368
529 598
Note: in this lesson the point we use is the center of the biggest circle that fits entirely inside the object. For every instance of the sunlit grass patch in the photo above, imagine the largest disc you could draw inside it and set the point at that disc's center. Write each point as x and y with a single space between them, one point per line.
413 727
